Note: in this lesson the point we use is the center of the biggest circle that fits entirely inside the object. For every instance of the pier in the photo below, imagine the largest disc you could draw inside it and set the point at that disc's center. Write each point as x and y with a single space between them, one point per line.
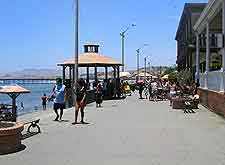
27 81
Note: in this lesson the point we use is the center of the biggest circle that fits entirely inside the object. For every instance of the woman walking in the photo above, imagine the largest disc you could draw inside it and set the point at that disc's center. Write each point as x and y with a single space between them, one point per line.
80 100
99 95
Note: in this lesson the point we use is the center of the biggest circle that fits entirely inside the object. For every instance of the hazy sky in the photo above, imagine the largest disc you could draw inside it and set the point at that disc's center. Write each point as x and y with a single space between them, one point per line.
40 33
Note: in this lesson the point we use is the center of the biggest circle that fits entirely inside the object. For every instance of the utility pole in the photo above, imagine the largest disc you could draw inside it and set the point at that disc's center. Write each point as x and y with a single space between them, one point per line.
76 49
138 53
122 34
145 66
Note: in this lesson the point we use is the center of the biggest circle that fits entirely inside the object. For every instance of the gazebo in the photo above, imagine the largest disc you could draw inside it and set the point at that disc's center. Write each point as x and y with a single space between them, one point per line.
13 91
91 58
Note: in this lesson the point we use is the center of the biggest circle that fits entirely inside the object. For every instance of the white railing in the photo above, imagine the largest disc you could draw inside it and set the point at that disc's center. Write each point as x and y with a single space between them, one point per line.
202 80
215 80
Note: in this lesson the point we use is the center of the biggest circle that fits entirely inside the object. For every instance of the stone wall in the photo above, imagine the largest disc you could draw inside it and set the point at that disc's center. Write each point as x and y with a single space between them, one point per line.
213 100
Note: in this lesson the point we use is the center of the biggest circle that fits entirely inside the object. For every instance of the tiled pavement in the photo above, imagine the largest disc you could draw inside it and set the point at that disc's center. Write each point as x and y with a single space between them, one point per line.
126 132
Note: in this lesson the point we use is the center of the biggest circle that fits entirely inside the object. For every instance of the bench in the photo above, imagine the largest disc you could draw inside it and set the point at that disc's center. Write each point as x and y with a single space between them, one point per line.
33 124
188 107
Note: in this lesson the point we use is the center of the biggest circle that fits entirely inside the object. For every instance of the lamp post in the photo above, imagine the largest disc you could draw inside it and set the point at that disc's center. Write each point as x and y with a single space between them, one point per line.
122 34
138 54
76 49
145 60
149 67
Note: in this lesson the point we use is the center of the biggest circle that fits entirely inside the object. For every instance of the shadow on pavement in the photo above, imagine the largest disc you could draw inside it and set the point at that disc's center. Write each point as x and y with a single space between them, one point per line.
20 148
28 135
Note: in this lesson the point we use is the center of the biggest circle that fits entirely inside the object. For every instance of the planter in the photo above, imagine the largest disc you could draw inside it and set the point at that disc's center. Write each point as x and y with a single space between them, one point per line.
10 137
178 103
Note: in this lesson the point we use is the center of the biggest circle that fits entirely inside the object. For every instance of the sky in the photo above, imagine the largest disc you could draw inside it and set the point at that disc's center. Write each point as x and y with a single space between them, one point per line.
40 33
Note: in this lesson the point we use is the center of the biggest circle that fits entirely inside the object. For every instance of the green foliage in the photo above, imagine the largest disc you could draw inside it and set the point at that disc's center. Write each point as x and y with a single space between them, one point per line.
173 76
185 77
169 70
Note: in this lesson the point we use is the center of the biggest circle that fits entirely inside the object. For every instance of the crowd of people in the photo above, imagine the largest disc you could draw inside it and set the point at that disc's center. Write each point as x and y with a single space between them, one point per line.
153 90
163 89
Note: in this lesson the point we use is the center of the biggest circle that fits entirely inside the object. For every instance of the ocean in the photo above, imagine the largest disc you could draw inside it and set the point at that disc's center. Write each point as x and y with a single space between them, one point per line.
31 101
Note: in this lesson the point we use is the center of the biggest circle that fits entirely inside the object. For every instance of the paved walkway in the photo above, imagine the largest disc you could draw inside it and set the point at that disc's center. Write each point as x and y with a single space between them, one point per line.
126 132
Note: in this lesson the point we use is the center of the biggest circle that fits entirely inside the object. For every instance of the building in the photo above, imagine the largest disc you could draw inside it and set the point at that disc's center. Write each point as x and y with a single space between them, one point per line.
208 54
185 36
211 23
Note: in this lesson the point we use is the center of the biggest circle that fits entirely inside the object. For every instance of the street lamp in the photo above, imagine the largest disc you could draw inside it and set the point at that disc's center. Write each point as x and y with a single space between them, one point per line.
122 34
145 62
76 50
138 54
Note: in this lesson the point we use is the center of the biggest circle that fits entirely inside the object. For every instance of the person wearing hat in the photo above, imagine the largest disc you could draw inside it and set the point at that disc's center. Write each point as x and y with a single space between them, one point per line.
59 94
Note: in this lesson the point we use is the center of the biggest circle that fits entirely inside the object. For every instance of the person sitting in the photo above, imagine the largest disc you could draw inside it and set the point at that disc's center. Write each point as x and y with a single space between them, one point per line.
173 92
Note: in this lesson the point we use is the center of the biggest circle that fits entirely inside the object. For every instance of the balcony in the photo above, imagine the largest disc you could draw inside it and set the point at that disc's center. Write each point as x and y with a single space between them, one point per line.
216 41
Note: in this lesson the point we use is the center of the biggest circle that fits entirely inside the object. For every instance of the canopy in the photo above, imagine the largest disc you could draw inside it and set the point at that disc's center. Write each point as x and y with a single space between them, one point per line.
14 88
143 74
125 74
165 76
86 59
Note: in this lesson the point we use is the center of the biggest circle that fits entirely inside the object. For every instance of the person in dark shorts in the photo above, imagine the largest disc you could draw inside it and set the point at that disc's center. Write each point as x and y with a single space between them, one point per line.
44 101
99 95
80 100
141 88
59 94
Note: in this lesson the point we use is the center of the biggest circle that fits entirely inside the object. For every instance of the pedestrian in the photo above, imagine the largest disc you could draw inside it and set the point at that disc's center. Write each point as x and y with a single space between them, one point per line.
141 88
44 99
59 95
150 91
154 90
146 91
80 100
99 95
22 106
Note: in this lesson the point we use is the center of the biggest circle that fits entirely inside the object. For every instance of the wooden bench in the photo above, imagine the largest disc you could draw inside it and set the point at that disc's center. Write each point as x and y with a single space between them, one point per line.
33 124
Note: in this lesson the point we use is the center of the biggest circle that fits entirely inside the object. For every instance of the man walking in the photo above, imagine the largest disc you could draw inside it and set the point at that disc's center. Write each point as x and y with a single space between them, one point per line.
59 94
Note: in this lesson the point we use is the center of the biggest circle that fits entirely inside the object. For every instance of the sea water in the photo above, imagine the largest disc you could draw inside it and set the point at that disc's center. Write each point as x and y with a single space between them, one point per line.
31 101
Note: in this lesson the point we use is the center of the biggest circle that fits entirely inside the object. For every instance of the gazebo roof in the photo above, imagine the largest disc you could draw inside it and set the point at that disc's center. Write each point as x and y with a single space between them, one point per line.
13 89
92 59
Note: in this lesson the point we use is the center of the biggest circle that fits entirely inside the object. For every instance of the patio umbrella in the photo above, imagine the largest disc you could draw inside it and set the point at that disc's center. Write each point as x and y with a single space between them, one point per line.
140 81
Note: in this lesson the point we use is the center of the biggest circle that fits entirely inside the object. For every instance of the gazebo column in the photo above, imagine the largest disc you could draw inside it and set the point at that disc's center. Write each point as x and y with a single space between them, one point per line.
96 74
114 79
73 74
118 72
87 80
14 108
64 73
106 73
118 81
70 72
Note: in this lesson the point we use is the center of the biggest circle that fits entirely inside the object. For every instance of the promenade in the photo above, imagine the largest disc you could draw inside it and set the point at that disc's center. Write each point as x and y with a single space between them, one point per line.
126 132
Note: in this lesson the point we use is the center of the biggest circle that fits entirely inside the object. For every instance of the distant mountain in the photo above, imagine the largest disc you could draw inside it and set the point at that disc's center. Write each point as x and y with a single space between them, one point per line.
33 73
